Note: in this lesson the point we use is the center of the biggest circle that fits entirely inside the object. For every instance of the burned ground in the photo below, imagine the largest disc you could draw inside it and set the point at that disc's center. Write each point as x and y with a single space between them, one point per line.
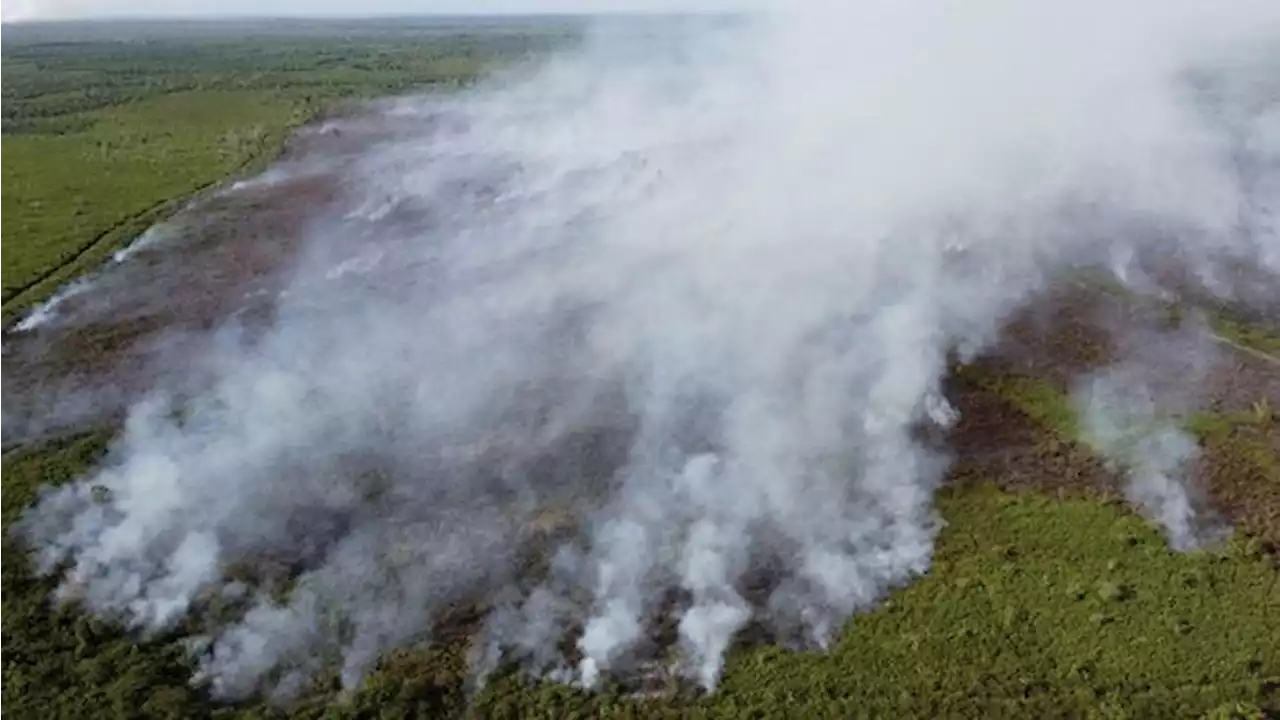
145 321
222 259
1017 424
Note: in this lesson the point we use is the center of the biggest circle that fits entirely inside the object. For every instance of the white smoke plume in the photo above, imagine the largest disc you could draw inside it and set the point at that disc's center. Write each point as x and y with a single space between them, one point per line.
1133 413
45 312
690 293
1121 422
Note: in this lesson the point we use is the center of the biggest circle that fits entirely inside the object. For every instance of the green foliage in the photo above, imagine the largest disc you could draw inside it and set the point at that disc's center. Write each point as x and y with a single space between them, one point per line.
106 136
63 193
1249 336
1033 608
1052 410
1036 398
49 77
1221 318
1244 433
1236 711
58 661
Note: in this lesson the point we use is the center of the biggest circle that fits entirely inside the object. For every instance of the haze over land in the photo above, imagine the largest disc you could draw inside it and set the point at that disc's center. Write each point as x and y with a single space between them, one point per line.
28 10
678 311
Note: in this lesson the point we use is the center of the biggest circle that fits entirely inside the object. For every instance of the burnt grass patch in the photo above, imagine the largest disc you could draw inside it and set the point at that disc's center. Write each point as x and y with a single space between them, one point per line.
1037 540
1018 427
1041 601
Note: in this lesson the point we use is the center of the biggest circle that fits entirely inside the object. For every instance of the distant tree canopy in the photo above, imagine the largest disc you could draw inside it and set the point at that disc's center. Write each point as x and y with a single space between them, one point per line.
44 83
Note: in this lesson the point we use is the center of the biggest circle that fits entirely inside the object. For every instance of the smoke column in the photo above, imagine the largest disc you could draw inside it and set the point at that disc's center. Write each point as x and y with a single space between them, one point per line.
671 308
1131 414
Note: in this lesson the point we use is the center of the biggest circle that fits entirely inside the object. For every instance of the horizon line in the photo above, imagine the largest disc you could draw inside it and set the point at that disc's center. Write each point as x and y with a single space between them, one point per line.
210 18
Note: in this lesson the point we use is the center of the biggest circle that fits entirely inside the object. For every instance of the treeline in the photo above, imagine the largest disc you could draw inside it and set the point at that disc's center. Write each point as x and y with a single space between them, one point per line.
45 85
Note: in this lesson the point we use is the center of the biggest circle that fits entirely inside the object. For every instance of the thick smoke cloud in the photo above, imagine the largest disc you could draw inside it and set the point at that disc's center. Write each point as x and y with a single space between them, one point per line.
603 341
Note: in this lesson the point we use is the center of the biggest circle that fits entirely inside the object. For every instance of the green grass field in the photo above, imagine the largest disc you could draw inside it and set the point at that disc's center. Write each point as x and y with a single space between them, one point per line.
1035 606
94 188
103 136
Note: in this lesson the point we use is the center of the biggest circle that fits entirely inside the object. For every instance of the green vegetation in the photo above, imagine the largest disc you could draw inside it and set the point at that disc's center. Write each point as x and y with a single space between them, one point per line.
1246 335
53 74
1033 608
1245 432
1242 469
1220 318
1052 410
69 193
106 135
1035 398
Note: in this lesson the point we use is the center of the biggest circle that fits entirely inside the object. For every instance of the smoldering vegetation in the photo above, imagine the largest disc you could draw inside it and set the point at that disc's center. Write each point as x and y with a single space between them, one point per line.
102 341
653 334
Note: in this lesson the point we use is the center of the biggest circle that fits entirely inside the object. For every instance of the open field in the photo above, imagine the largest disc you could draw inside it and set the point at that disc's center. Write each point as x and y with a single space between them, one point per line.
105 135
1047 595
71 193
